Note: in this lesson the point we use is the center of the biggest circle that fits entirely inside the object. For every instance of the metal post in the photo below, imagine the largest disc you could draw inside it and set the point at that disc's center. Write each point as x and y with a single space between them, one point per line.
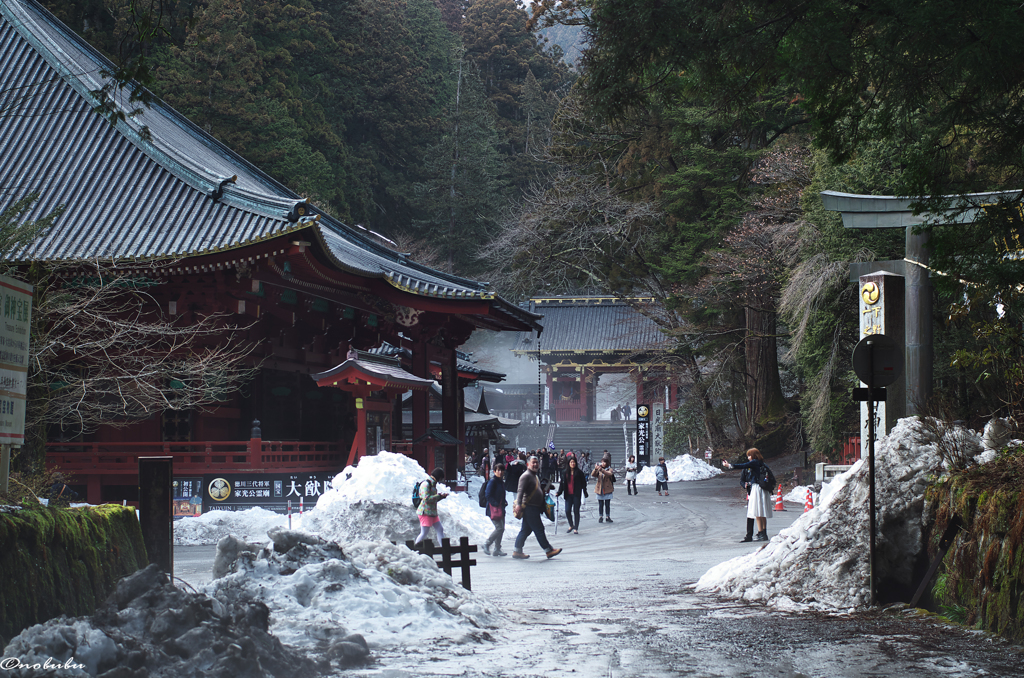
5 467
871 486
156 474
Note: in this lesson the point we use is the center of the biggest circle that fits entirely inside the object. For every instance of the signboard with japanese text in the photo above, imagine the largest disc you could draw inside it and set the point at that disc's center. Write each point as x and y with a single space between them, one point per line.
16 311
188 497
271 491
657 430
643 435
881 310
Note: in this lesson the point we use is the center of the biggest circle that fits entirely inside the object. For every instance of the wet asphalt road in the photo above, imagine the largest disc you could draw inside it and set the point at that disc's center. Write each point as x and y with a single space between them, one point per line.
618 602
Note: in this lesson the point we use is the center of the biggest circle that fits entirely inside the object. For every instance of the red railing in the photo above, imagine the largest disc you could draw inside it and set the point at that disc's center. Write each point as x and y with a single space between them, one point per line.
197 457
851 450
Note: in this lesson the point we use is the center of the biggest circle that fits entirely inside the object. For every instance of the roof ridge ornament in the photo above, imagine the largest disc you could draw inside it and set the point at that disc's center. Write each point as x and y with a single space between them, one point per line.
217 193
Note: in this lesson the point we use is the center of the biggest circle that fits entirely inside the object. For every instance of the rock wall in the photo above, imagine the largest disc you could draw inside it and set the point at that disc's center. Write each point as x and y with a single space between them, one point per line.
63 561
982 574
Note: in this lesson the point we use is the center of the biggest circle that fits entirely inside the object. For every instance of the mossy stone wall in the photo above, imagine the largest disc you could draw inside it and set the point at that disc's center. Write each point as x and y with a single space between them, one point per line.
56 561
984 567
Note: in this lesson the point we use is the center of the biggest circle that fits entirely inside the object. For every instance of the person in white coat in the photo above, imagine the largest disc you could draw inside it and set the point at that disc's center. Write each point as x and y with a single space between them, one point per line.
759 503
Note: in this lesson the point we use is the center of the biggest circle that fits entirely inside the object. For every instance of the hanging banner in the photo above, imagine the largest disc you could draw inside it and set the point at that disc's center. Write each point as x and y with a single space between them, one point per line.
16 309
643 435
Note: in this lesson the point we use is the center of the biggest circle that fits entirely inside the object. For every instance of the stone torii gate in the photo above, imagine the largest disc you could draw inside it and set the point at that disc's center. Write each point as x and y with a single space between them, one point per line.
886 211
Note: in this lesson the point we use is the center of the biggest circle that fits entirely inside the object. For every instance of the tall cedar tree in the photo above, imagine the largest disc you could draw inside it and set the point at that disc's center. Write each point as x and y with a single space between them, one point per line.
508 53
463 195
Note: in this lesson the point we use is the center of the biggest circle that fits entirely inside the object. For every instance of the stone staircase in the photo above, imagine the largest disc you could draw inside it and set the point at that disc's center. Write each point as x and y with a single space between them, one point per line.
596 437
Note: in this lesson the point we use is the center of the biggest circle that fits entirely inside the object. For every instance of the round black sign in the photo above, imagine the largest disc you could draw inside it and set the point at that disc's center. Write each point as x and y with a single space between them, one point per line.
878 360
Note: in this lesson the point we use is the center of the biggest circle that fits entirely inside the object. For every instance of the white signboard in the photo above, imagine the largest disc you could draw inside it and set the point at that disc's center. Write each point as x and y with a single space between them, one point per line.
657 431
15 320
872 321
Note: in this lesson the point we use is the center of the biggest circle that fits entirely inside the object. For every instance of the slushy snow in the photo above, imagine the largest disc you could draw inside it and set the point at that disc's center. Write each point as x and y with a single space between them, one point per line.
821 560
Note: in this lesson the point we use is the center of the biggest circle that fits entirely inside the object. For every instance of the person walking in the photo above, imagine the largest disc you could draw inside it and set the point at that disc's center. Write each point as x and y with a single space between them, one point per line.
427 510
759 503
574 486
529 505
496 502
631 476
604 489
661 476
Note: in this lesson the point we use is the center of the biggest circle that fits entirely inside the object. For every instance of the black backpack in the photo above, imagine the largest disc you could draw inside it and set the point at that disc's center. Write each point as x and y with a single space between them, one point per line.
767 479
483 495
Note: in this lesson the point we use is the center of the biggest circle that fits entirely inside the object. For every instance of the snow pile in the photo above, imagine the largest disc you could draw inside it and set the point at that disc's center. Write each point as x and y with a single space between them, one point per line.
821 560
150 628
798 494
250 525
389 594
372 500
683 467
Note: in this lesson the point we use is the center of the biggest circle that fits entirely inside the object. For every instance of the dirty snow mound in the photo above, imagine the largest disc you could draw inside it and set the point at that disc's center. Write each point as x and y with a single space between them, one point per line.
150 628
683 467
251 524
390 595
821 560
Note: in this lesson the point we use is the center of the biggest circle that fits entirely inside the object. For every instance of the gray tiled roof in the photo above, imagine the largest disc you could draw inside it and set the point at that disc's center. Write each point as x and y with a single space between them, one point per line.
591 324
131 197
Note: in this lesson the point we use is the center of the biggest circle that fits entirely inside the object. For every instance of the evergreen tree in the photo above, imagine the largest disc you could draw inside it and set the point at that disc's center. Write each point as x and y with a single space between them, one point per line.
462 196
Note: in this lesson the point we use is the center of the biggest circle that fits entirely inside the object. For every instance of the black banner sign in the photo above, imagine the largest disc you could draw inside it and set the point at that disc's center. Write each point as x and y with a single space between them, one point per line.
271 491
643 435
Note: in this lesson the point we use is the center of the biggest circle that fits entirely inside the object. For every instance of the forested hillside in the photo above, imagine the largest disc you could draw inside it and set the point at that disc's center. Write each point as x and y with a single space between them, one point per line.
414 118
683 167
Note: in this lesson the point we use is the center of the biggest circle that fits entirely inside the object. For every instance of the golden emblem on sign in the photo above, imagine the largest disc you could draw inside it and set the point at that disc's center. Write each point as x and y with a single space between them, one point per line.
220 489
642 411
870 293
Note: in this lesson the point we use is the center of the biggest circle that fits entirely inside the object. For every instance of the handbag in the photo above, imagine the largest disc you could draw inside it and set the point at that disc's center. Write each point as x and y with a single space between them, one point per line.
549 507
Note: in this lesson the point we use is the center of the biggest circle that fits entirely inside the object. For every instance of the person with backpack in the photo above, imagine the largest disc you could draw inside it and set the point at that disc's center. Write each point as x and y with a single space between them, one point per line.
759 502
747 482
427 509
494 493
574 486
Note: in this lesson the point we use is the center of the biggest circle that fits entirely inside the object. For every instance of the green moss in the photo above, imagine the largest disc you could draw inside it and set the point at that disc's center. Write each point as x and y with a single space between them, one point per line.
63 561
984 568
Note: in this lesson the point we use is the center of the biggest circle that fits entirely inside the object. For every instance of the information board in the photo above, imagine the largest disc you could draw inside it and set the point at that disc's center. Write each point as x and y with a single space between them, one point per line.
15 324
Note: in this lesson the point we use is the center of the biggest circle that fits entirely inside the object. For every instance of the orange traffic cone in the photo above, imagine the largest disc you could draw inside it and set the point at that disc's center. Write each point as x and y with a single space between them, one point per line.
778 501
809 504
